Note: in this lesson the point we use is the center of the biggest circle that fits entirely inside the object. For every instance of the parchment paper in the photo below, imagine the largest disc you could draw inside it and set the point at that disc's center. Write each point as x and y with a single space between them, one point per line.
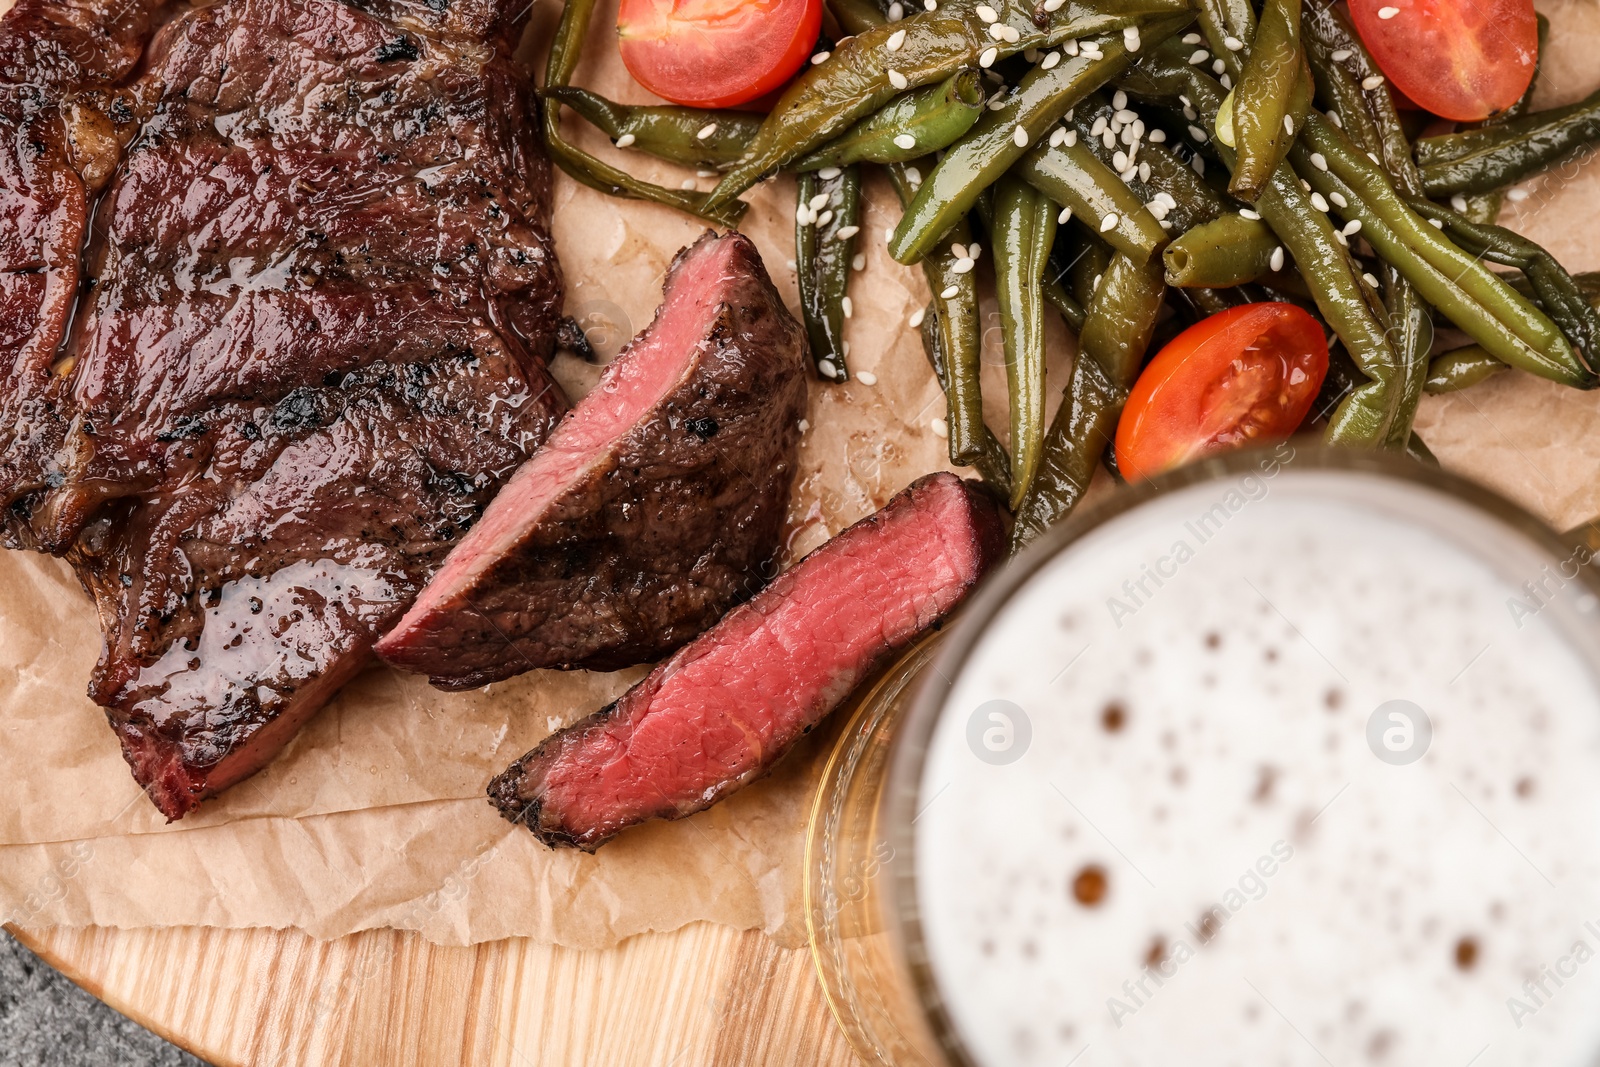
374 816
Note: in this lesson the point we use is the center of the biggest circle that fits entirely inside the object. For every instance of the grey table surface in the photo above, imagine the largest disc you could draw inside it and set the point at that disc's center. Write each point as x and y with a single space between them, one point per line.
46 1021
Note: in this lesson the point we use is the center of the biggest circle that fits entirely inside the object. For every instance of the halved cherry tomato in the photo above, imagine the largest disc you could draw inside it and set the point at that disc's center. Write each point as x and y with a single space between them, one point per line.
716 53
1244 376
1461 59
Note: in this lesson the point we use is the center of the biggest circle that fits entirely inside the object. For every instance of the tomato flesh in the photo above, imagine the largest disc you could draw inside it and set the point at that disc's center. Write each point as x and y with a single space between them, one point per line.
1245 376
716 53
1460 59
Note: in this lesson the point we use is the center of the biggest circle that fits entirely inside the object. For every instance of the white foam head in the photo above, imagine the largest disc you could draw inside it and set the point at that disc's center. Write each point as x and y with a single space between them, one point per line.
1170 812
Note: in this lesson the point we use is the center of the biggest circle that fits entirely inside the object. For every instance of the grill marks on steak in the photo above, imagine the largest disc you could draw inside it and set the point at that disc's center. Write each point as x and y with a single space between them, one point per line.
323 290
728 706
656 505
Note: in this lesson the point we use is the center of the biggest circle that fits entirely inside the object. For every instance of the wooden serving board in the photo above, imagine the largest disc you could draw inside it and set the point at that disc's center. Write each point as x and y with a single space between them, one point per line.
703 995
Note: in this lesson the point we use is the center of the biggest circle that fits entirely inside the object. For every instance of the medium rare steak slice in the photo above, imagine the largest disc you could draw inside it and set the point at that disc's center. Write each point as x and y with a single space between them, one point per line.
656 505
317 298
727 707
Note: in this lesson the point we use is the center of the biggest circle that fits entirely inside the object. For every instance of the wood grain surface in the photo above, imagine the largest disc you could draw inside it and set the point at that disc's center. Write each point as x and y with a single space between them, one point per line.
703 995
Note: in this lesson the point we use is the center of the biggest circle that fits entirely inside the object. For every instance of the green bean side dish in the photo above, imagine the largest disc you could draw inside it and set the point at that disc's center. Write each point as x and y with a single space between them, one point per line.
1134 166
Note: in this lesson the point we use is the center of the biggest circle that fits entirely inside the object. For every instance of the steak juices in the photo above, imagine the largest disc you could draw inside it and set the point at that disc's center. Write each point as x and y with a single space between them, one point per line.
1296 763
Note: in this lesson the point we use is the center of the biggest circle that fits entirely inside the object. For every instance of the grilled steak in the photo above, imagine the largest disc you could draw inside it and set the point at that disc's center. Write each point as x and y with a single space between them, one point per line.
655 507
313 314
727 707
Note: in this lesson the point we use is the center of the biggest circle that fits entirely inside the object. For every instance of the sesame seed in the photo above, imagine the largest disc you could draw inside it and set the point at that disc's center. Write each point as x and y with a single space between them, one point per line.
1168 199
1232 44
1013 35
1387 13
1276 262
1352 228
1333 117
930 5
1517 195
1288 125
1191 38
687 183
626 140
998 103
1437 224
825 218
1130 38
1057 135
1225 81
1198 134
1092 51
827 174
1338 200
950 292
1157 208
963 265
975 250
1099 127
1119 160
897 11
1246 213
706 131
803 216
1371 82
986 13
958 250
1019 137
1054 5
1188 113
1319 161
913 175
1341 55
989 56
896 39
1050 60
818 202
820 58
916 317
997 31
1108 223
1144 172
905 141
866 377
897 79
1157 136
1318 202
1071 138
1124 116
1374 159
1070 47
849 307
826 368
1458 202
939 428
1108 139
1094 286
858 261
804 424
1198 162
1218 66
1065 216
1199 57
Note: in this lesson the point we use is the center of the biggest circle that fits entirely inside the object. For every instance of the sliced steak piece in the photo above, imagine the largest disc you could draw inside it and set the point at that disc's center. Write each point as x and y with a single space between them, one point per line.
727 707
318 293
655 506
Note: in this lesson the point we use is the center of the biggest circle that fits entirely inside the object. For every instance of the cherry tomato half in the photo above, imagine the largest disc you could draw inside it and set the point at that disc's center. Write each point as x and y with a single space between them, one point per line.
1460 59
716 53
1244 376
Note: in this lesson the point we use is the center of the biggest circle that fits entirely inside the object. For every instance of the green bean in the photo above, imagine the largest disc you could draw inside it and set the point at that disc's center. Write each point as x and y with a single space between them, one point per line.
1485 207
989 457
1056 295
1559 294
1460 368
1005 133
922 121
955 301
857 16
1477 161
863 73
670 133
565 49
824 239
1368 115
1467 292
1270 100
1024 229
1111 351
1230 250
1074 177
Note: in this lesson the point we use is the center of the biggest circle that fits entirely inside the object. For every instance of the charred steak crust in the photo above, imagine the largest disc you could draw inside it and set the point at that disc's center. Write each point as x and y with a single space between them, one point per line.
670 524
728 706
323 290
